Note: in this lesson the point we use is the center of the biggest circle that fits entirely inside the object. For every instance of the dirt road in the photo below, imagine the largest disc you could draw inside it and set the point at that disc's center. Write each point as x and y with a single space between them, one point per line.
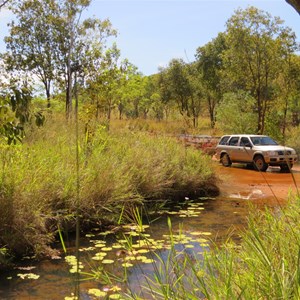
269 187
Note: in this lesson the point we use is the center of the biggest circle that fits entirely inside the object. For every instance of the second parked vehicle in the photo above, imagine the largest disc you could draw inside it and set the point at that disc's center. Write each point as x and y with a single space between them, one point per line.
258 150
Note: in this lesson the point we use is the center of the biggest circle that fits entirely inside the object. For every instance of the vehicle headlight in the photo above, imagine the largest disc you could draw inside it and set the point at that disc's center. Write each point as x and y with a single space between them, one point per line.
272 153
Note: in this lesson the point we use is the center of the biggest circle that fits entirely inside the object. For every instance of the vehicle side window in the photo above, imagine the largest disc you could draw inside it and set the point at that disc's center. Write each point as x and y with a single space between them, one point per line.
255 141
245 142
224 140
234 141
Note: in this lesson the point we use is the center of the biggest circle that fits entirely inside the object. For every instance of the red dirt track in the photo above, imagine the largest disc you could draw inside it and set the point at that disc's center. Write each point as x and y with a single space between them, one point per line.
271 187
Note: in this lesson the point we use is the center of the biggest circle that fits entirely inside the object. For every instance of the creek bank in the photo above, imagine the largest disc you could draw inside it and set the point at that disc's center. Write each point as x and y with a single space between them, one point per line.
107 220
39 194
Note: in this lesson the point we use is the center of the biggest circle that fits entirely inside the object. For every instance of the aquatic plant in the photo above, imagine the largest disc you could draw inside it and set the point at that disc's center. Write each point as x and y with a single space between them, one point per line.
266 264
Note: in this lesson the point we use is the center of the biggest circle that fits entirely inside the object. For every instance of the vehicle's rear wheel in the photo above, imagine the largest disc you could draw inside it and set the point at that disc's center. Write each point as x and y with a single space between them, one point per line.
286 168
225 160
260 164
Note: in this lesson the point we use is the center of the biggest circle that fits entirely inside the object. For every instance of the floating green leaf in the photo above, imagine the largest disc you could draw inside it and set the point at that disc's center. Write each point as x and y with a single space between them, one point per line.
97 292
28 276
107 261
114 296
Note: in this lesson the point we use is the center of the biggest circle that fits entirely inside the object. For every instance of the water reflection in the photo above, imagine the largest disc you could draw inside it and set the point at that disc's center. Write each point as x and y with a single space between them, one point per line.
193 225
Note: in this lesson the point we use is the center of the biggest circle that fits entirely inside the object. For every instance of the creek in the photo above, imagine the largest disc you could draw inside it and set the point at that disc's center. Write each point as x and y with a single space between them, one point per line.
195 225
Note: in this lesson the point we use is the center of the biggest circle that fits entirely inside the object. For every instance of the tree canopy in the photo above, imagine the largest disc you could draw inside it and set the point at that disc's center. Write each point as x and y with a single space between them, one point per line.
253 64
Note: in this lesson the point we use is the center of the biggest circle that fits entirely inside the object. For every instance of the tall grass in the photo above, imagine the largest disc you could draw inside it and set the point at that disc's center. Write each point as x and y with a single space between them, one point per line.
265 265
117 170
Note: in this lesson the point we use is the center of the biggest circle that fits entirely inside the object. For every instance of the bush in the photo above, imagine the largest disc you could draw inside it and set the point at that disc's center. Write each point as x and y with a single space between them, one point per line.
293 139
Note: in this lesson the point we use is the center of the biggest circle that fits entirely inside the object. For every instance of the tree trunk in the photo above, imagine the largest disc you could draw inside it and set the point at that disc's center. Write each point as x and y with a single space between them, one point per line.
69 96
211 108
284 118
48 95
121 108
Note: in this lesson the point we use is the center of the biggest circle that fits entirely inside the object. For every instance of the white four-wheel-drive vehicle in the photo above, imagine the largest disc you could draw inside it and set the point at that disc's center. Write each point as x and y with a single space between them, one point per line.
258 150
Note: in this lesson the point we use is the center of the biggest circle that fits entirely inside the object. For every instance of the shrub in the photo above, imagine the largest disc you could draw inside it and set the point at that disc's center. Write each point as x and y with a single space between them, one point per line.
235 113
293 139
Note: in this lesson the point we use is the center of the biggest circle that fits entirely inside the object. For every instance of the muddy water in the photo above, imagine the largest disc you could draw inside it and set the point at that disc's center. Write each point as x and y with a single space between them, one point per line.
239 188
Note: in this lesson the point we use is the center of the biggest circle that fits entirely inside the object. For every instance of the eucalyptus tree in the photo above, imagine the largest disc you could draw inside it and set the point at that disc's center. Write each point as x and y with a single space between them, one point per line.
210 64
87 52
14 112
30 46
288 85
128 89
155 102
164 91
150 100
134 95
104 85
49 40
256 43
185 88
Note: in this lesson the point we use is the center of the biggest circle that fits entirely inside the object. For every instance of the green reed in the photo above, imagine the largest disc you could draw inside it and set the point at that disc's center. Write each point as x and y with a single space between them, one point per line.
265 265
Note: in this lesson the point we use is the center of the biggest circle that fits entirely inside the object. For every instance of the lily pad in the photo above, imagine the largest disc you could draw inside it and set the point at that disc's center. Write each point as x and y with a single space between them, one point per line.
107 261
29 276
127 265
97 292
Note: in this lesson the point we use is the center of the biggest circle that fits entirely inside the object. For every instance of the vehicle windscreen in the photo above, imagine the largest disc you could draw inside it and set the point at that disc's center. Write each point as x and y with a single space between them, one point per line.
262 141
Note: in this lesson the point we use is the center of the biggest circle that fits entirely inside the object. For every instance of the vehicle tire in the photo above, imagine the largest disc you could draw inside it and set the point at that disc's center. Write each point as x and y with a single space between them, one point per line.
225 160
286 168
260 164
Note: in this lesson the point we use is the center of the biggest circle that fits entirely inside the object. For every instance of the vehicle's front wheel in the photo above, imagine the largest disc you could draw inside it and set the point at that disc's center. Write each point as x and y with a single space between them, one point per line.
225 160
260 164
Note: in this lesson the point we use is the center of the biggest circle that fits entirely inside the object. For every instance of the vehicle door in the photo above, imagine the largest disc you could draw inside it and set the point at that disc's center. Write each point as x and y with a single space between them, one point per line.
245 152
233 148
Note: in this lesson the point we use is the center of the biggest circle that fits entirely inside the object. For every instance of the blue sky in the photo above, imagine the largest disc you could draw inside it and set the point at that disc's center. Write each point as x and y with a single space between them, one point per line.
152 32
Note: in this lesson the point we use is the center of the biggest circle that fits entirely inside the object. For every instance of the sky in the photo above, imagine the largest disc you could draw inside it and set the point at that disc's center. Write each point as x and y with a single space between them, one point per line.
153 32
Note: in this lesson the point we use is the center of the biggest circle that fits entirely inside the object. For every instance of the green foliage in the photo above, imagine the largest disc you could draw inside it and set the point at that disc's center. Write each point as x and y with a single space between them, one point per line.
235 114
118 170
48 39
16 113
293 139
182 85
257 46
210 65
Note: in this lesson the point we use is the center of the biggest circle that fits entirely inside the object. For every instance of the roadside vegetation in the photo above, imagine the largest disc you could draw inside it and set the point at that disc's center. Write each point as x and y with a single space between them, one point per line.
117 171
